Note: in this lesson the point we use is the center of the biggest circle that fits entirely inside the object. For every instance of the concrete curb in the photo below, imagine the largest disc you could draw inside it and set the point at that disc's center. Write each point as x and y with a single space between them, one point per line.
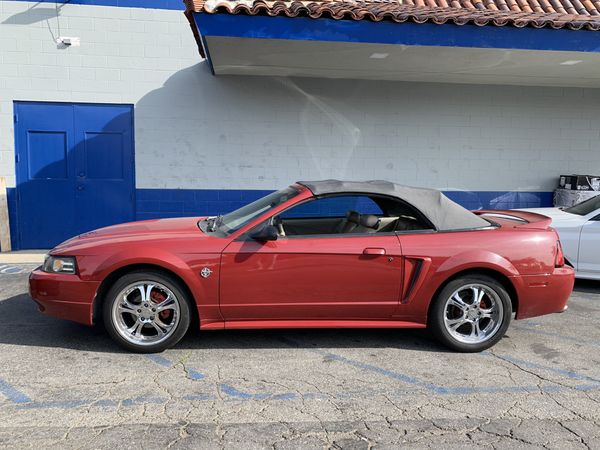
23 257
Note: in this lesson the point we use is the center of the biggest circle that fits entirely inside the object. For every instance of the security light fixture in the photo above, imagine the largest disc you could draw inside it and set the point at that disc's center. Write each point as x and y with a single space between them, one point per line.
379 55
69 41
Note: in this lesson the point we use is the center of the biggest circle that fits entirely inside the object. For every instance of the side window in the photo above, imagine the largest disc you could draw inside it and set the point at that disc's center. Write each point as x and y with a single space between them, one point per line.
349 214
333 207
331 215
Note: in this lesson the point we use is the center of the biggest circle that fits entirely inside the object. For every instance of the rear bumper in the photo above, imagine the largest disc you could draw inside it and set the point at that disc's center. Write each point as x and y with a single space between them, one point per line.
63 296
544 294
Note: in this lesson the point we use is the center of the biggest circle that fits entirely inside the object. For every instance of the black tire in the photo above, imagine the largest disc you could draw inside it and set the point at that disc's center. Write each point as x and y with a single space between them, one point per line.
437 313
167 281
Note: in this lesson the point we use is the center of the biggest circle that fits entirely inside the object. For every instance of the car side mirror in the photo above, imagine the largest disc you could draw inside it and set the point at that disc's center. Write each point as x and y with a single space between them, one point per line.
266 233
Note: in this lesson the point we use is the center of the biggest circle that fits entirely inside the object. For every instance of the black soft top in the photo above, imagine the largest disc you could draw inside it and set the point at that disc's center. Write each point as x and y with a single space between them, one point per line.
444 214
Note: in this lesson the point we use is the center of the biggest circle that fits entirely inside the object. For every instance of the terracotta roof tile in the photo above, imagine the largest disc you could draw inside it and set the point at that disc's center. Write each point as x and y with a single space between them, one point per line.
573 14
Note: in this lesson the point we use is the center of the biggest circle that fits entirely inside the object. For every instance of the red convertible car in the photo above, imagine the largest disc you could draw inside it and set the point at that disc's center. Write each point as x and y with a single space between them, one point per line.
316 254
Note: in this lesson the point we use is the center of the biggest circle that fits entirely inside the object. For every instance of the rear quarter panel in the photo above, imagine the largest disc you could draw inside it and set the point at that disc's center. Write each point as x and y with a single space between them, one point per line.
508 250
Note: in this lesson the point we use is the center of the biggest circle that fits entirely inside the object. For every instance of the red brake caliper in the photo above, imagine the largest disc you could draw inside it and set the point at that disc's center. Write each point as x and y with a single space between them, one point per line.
483 304
159 297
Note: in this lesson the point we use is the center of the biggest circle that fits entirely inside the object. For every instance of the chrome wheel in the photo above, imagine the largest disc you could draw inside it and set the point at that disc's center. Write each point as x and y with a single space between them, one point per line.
146 313
473 313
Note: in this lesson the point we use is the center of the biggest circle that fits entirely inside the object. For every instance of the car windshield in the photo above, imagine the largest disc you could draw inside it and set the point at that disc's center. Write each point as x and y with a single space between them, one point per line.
584 208
235 220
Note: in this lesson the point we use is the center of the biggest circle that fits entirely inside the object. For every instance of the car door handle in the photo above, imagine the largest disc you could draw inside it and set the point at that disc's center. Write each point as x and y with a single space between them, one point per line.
374 251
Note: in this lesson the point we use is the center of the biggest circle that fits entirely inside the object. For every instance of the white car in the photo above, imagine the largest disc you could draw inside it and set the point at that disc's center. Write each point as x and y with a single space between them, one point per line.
579 231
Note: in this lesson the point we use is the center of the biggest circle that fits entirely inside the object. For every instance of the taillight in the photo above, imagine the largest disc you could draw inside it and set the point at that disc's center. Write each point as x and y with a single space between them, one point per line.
559 261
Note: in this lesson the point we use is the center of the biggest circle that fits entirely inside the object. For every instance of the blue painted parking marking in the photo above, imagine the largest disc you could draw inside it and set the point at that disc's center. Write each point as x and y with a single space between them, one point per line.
143 400
165 362
530 328
226 389
385 372
243 395
233 392
443 390
557 370
284 396
372 368
6 269
415 386
161 360
194 374
59 404
12 393
78 403
199 397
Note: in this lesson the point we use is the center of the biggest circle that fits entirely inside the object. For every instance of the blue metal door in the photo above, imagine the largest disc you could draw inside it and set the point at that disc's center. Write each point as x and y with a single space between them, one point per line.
75 170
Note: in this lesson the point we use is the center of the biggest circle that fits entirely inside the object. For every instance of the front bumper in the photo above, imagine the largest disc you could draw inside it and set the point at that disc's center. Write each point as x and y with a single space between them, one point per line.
63 296
544 294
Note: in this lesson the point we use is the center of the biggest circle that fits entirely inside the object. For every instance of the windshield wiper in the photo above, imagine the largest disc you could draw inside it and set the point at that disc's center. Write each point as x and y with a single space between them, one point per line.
217 221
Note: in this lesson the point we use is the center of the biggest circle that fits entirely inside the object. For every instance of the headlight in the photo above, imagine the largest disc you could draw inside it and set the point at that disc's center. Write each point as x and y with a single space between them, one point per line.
59 264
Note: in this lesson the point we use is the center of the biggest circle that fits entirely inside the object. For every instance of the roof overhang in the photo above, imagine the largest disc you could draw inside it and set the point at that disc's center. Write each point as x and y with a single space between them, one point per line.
240 44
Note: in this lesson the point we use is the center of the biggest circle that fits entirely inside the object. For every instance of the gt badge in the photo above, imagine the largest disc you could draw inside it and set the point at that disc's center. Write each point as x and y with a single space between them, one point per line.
205 272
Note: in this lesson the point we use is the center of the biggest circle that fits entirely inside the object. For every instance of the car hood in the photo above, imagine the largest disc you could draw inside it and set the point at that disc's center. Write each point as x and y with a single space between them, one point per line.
147 230
155 226
558 216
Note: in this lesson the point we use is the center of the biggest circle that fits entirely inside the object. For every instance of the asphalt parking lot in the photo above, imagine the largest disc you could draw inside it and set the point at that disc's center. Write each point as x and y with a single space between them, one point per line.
62 384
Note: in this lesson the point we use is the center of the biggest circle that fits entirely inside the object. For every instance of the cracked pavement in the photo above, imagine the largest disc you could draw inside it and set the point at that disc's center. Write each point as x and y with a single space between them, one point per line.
67 385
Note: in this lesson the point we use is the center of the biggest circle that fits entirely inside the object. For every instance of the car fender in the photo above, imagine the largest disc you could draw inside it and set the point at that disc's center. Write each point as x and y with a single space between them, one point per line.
156 257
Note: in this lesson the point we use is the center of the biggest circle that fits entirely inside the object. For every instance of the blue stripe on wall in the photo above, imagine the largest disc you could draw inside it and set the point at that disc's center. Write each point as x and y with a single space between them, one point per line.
150 4
388 32
153 203
163 203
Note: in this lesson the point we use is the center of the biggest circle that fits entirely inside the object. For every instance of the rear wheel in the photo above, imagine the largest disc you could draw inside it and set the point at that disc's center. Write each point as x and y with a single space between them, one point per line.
146 312
471 313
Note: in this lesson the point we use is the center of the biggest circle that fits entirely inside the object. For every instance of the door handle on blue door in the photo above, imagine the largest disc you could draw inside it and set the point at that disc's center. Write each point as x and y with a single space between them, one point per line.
374 251
80 188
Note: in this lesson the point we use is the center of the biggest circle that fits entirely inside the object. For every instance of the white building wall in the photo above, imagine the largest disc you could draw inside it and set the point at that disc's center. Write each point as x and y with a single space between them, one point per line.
124 54
197 131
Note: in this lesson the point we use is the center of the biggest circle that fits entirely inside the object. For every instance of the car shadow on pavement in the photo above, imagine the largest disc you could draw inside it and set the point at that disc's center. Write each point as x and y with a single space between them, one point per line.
363 338
22 324
587 287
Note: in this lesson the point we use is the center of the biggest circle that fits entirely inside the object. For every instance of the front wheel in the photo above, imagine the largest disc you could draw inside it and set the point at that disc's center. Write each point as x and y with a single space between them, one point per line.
471 313
146 312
